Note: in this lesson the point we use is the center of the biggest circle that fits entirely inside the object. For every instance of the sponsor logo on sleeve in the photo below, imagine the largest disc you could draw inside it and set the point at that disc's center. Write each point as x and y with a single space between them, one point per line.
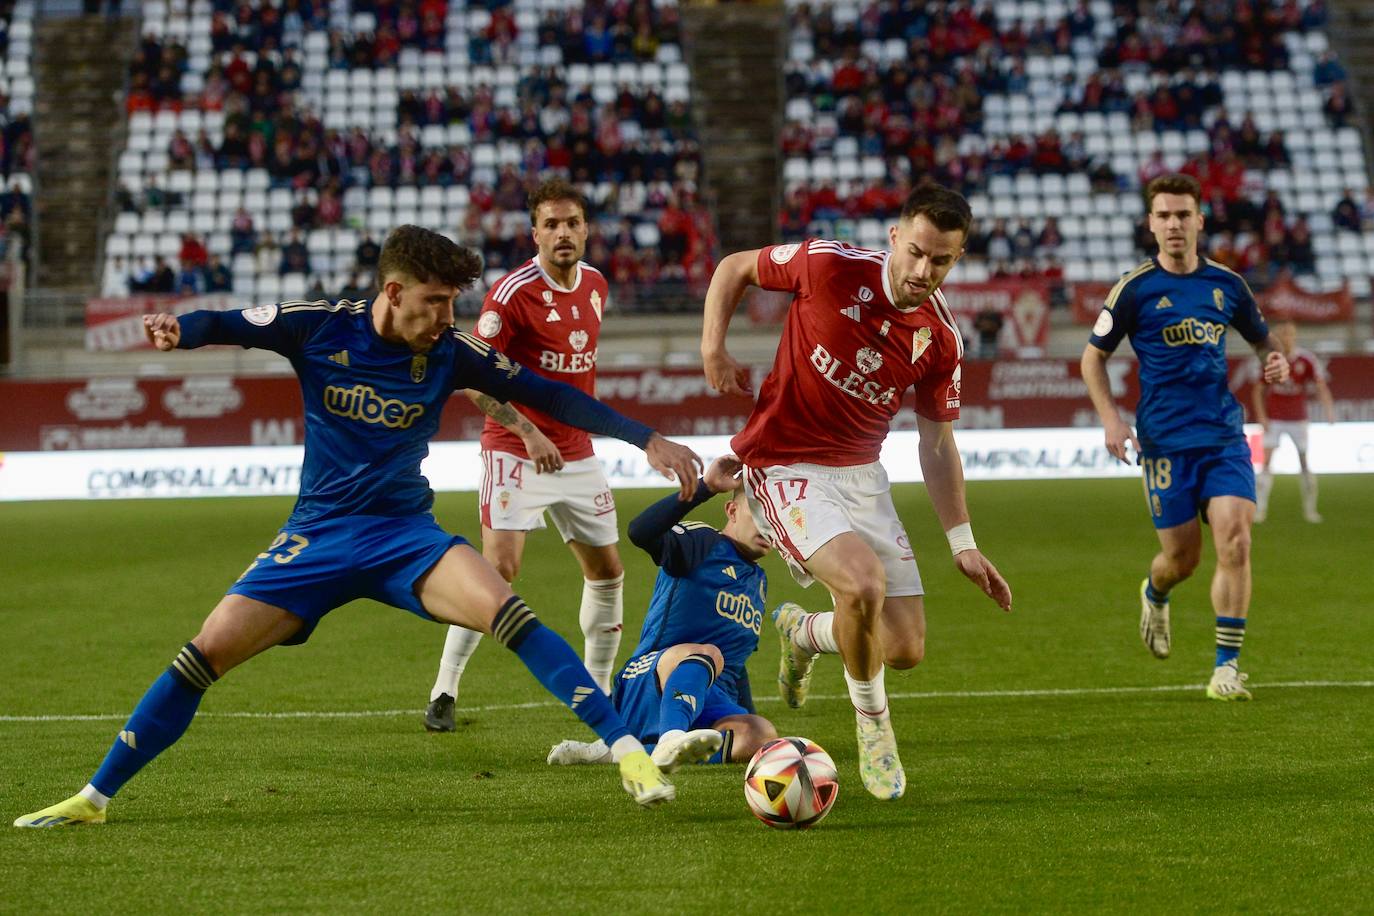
1104 324
489 325
781 254
260 315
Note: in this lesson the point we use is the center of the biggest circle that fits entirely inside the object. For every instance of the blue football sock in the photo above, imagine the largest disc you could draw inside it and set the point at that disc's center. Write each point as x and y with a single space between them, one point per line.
684 694
159 719
1230 635
1152 593
554 663
726 746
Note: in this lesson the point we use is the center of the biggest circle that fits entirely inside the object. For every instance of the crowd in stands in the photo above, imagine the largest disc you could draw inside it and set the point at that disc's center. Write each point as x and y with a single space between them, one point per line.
16 160
634 152
1157 64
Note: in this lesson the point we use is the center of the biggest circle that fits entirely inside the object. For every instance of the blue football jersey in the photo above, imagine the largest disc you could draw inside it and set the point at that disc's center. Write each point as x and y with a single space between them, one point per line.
705 593
371 406
1177 325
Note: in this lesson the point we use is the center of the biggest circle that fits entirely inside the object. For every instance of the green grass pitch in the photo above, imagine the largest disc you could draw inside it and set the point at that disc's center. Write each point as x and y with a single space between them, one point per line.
1049 766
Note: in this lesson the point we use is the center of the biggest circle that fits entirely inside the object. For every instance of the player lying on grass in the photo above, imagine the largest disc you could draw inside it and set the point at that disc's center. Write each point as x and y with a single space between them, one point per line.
685 689
375 378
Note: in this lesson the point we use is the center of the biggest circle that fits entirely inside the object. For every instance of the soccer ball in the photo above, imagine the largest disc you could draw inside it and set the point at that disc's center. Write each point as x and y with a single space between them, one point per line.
791 783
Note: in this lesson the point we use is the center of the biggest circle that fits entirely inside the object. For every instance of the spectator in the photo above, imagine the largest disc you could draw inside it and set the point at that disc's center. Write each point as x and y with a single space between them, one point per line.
189 281
1347 214
1300 252
163 278
242 236
295 257
367 253
217 277
1328 70
268 255
1338 108
988 326
193 253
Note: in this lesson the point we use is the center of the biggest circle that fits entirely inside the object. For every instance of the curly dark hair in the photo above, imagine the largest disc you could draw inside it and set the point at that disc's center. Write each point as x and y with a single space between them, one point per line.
1173 184
424 255
555 189
946 209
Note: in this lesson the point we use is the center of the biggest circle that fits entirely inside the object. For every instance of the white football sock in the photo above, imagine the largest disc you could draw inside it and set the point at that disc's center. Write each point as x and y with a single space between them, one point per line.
1263 485
95 796
1307 484
869 697
625 745
817 634
459 645
601 616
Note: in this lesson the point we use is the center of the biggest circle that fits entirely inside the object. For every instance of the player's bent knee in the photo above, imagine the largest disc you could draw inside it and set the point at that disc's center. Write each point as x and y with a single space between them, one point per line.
507 568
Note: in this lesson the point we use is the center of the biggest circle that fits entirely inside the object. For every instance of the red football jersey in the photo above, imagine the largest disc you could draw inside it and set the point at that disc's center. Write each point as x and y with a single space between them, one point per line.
549 330
1288 400
846 358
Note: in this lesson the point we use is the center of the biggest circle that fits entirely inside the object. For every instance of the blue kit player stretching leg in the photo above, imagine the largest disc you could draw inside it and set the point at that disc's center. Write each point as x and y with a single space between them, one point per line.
1176 308
685 688
374 378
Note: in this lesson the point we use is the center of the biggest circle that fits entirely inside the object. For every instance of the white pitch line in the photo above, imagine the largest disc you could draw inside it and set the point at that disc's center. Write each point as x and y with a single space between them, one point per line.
503 707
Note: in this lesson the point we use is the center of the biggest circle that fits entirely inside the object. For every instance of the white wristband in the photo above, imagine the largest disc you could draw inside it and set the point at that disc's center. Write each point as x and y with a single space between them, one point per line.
961 539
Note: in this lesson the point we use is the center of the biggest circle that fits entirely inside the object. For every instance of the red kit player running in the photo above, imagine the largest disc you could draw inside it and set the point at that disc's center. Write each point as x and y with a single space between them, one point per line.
546 315
1282 409
863 327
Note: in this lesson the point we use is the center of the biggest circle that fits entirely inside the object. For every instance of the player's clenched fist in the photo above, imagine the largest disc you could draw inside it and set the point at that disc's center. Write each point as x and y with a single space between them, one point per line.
1275 368
676 462
163 331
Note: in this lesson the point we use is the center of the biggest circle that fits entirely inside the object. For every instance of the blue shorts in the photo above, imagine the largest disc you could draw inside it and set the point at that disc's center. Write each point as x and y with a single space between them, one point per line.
637 696
1179 485
311 569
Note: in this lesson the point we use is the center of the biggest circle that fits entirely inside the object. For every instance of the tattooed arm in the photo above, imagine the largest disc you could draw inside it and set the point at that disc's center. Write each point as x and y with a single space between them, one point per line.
542 451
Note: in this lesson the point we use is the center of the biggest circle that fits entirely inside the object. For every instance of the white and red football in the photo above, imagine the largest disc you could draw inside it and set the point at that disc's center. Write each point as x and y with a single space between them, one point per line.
791 783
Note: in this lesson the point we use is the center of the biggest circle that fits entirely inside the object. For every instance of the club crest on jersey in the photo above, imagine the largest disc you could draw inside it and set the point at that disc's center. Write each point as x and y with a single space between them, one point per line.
920 341
595 300
1218 299
865 294
887 326
578 339
577 316
418 365
504 499
798 518
489 325
868 361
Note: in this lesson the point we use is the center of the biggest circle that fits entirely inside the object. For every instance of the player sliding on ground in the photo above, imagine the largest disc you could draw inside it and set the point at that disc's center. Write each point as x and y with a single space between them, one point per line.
1176 308
863 327
684 688
374 379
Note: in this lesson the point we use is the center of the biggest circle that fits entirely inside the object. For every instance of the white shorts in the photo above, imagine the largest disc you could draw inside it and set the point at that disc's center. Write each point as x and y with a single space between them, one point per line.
805 506
1293 429
578 498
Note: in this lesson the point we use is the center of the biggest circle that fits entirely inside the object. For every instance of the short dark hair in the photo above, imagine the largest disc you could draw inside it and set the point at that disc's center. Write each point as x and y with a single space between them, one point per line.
1173 184
551 190
945 208
425 255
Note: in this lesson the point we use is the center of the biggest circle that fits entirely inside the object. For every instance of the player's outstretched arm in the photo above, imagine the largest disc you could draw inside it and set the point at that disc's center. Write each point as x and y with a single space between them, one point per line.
652 530
497 376
1093 367
162 330
943 472
735 274
545 455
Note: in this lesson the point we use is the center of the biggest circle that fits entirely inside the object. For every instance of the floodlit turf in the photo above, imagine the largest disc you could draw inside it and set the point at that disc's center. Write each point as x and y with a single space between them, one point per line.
1047 769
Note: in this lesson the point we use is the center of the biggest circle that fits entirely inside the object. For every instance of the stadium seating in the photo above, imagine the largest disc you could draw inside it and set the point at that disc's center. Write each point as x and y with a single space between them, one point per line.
16 134
1106 109
445 124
